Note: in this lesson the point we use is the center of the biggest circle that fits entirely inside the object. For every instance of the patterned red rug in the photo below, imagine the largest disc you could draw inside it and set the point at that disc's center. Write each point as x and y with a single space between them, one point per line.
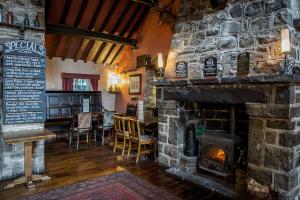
118 186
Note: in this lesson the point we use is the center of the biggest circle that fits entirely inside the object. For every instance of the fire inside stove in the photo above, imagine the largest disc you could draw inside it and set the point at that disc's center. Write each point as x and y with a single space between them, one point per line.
216 154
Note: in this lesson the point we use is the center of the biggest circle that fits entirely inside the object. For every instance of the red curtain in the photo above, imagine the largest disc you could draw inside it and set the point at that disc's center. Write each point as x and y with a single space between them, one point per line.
94 84
67 80
67 84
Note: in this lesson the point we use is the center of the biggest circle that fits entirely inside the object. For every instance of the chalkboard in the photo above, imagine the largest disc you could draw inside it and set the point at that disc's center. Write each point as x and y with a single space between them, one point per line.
181 70
24 66
210 67
243 64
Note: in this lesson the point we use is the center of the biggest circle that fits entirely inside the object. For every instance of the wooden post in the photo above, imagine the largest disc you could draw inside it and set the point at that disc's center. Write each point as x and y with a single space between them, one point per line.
28 165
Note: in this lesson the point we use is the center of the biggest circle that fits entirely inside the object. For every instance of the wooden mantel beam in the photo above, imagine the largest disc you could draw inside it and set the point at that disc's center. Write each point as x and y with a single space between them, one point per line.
87 34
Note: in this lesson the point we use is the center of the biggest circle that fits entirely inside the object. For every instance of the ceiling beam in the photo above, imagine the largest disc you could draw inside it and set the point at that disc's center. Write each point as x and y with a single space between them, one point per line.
87 34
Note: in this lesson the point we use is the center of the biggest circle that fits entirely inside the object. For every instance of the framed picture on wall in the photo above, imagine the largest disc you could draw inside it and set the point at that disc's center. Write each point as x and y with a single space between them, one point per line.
135 84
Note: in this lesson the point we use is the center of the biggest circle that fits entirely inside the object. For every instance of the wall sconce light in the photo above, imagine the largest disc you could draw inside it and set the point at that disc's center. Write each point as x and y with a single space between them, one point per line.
288 64
160 67
114 82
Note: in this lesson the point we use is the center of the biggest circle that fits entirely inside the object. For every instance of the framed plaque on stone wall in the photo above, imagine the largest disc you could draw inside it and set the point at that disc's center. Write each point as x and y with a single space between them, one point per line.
210 67
181 70
243 64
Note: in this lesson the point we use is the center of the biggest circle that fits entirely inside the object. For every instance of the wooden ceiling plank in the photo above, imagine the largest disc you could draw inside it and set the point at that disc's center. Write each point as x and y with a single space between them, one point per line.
76 24
90 27
113 53
134 29
103 55
113 31
62 20
104 24
109 52
123 31
93 50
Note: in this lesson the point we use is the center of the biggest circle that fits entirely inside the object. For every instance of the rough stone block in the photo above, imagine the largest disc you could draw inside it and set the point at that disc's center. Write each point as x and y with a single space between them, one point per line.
246 41
171 151
227 43
236 11
288 140
161 147
271 137
268 111
286 181
284 95
162 118
278 158
162 137
163 160
254 9
281 124
231 28
169 105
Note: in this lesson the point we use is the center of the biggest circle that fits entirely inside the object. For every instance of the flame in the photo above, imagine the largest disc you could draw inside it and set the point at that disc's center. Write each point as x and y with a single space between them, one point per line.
220 156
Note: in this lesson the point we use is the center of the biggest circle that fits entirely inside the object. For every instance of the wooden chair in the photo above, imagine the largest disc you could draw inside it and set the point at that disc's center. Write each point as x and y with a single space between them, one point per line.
121 132
84 126
146 144
105 123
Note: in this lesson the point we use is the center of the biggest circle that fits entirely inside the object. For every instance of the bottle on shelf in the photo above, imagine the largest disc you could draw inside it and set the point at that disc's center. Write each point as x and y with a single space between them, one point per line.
26 20
37 21
9 17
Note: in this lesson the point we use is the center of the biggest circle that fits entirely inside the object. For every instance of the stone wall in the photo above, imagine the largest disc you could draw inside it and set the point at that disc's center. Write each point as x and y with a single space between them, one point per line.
274 144
12 156
242 26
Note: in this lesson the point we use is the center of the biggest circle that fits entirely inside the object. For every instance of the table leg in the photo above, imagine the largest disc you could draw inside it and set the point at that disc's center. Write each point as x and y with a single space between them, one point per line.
28 165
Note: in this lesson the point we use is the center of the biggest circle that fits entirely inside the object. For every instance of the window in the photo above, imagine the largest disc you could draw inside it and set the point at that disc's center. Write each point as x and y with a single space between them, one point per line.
81 85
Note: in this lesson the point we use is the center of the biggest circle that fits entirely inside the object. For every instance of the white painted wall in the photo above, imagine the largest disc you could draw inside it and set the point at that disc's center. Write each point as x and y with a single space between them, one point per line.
56 66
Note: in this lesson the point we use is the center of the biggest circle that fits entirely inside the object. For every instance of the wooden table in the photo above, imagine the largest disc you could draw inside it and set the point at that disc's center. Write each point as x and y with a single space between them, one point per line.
27 137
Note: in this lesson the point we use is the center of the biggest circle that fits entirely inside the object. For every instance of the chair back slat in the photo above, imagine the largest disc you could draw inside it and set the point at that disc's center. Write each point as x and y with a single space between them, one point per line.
84 120
117 124
134 129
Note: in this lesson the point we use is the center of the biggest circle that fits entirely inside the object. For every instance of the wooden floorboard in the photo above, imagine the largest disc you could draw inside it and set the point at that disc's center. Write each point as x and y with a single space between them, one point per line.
68 166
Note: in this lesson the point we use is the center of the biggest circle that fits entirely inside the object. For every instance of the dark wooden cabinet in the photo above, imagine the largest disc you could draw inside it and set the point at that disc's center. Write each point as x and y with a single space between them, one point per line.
63 105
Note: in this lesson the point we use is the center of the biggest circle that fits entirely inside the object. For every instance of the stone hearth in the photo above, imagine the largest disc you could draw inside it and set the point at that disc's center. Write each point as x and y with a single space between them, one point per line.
272 103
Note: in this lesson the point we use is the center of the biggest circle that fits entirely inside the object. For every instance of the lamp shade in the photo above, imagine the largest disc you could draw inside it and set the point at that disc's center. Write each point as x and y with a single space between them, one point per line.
160 61
285 41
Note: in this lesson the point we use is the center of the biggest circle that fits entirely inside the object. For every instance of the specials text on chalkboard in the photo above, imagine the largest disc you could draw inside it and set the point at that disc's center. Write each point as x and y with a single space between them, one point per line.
243 64
24 82
210 67
181 70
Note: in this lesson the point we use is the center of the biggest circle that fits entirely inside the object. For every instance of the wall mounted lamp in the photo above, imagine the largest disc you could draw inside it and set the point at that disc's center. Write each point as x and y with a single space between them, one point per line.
287 67
160 67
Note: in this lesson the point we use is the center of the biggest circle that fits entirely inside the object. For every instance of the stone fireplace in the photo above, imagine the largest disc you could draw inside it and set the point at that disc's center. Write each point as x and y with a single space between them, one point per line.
251 122
265 129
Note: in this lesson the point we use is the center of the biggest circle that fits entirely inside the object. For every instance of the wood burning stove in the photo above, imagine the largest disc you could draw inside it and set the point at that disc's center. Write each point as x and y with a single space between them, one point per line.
217 152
